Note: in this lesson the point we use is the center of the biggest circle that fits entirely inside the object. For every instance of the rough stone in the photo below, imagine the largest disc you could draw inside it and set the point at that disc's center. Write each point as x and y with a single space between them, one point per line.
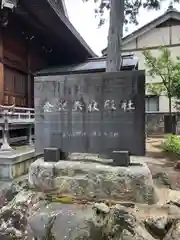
139 234
177 165
174 232
168 196
41 175
89 157
80 222
14 215
101 207
8 191
70 219
158 227
94 180
157 211
162 179
37 218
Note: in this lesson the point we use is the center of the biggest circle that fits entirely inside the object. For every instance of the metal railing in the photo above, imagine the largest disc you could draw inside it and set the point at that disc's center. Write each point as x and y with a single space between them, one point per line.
11 115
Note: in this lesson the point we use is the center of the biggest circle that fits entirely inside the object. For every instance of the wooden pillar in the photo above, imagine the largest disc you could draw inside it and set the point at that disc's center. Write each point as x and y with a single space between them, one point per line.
1 68
29 84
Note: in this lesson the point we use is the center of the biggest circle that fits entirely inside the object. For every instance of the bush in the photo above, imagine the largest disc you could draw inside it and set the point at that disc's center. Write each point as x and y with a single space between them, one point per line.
172 144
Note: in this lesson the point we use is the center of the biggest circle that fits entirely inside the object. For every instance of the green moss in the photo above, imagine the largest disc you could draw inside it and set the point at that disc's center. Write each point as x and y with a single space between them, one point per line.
60 199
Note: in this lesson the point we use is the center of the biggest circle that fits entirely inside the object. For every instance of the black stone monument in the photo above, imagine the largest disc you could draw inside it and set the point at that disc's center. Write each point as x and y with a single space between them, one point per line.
94 112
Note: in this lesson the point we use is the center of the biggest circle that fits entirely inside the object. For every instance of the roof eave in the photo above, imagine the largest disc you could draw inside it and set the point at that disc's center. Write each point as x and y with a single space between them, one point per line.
64 8
68 24
151 25
170 14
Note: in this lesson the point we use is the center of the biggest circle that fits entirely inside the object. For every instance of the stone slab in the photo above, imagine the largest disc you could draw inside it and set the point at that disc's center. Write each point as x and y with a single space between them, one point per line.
16 155
94 113
94 180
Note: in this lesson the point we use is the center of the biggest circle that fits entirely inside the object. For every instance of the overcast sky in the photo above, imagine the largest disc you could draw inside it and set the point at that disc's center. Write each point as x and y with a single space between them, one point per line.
82 17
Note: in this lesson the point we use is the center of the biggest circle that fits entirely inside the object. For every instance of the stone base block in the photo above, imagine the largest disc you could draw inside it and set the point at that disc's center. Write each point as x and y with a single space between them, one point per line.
94 180
121 158
16 163
51 154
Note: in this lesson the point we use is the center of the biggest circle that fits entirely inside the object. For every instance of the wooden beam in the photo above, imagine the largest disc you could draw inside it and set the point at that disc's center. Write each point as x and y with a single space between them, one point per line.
29 83
1 68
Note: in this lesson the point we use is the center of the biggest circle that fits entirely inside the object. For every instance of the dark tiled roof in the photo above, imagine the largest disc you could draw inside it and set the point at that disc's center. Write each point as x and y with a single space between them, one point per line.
129 62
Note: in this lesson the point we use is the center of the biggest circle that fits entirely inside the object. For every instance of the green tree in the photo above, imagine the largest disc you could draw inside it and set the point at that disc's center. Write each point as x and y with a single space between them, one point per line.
168 70
121 11
176 91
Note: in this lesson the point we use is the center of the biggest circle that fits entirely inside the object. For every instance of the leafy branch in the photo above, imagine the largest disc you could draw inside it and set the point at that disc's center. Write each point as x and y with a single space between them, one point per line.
131 8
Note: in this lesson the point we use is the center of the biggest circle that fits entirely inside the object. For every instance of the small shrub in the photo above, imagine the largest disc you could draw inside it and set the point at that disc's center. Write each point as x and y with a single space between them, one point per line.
172 144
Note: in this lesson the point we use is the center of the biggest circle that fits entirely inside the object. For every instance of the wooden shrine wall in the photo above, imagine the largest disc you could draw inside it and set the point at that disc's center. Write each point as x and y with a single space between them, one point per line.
15 69
1 68
19 61
15 87
15 51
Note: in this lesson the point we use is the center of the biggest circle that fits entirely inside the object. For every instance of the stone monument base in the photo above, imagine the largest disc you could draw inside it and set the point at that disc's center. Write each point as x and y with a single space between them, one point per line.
15 163
89 177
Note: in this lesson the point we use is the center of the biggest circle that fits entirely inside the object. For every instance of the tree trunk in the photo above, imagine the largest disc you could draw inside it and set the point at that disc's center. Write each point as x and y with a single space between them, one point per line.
115 35
170 114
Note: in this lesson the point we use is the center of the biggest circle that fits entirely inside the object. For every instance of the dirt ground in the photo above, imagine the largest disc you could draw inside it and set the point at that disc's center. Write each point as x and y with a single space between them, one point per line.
162 164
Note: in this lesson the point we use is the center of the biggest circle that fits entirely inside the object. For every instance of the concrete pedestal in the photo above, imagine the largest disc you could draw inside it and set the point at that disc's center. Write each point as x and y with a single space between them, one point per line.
15 163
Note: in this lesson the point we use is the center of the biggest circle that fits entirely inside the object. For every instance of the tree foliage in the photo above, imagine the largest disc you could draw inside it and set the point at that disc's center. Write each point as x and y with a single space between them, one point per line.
167 69
131 8
155 88
176 87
